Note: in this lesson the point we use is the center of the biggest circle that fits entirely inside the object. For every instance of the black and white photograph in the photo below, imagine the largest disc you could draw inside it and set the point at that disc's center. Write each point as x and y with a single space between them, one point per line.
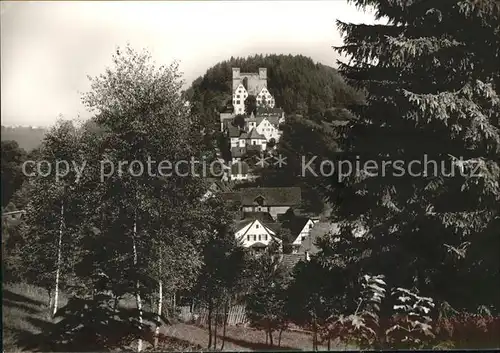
282 175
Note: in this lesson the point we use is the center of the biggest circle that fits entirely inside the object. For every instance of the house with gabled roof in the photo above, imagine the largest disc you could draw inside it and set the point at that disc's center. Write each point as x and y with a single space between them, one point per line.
265 99
240 94
301 227
225 120
275 201
269 112
255 234
268 129
253 138
13 217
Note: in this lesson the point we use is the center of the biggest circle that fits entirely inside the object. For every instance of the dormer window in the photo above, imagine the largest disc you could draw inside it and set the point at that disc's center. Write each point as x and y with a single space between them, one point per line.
259 200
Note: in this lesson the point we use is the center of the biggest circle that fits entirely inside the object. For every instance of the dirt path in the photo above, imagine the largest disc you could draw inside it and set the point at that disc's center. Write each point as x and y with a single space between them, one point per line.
243 338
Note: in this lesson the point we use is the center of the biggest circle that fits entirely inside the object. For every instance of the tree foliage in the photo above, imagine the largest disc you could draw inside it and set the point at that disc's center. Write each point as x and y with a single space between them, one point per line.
12 175
431 90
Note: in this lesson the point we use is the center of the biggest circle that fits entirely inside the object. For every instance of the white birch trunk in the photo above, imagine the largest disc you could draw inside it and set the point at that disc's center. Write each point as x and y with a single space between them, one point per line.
59 255
160 301
137 295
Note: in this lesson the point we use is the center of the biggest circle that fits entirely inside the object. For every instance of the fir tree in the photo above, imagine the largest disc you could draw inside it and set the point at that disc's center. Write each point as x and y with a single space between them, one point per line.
431 76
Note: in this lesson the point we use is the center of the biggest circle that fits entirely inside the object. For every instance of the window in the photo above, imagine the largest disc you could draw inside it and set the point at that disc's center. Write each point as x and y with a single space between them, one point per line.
310 226
254 142
248 237
303 238
265 236
238 101
259 237
256 226
254 237
237 96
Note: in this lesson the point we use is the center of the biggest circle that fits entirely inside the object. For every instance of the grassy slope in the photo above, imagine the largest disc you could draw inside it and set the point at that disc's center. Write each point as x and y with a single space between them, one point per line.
26 313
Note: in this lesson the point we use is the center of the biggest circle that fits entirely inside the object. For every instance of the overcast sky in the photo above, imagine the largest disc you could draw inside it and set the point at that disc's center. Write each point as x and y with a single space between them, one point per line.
49 48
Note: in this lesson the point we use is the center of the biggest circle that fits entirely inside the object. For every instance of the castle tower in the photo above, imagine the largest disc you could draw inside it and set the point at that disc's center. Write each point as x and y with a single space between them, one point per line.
263 74
236 77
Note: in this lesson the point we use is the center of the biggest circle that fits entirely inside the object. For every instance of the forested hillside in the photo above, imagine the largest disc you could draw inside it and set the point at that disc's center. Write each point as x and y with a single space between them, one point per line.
27 137
296 82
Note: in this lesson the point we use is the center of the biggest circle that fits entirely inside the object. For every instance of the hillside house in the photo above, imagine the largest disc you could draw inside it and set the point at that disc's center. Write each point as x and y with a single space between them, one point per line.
301 227
256 235
320 229
265 126
245 84
13 217
257 230
275 201
253 138
265 99
225 120
240 94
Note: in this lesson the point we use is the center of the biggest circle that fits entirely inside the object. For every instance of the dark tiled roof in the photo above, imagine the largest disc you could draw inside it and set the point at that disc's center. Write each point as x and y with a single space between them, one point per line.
264 217
296 224
274 226
241 224
258 245
253 148
269 111
285 196
274 120
238 151
231 196
233 131
257 120
253 134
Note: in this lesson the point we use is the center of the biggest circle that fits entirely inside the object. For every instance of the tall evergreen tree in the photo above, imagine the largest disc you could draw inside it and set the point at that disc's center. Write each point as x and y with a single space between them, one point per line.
432 76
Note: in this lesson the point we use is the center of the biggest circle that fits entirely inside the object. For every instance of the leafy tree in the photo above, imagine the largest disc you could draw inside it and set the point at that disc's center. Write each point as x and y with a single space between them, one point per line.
132 232
219 279
239 121
144 118
265 303
316 295
13 158
251 105
53 212
431 90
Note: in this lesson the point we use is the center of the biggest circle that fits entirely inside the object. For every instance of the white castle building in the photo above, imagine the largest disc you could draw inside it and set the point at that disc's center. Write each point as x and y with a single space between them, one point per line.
245 84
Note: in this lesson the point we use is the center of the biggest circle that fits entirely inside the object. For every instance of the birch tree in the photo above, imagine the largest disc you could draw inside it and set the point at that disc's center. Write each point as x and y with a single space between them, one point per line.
53 211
